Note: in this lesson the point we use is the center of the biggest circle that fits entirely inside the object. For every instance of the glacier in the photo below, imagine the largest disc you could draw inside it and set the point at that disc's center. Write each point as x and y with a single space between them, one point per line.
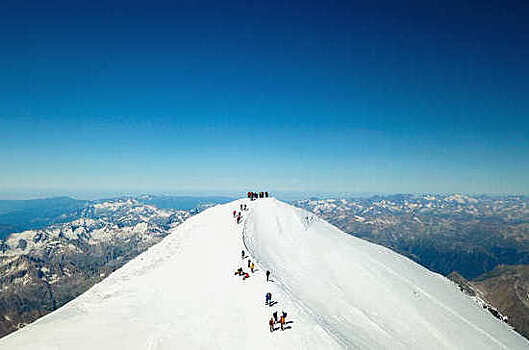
340 292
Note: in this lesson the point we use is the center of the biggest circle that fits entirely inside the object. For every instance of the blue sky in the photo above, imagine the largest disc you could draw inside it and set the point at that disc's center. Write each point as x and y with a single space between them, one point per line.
194 96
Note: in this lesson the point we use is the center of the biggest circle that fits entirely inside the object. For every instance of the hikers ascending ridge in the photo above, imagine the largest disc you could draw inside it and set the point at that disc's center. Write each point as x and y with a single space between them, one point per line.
245 275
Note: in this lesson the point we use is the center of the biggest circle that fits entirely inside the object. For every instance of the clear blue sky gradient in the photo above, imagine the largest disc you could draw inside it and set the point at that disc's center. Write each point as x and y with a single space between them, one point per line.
294 96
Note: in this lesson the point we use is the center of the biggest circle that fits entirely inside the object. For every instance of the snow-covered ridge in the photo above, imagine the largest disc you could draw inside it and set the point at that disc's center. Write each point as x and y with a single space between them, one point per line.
339 292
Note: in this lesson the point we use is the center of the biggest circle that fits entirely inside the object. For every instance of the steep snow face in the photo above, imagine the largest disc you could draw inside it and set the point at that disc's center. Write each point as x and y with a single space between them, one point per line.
339 292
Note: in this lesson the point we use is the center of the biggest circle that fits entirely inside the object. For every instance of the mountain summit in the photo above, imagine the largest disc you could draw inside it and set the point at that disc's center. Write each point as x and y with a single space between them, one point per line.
338 291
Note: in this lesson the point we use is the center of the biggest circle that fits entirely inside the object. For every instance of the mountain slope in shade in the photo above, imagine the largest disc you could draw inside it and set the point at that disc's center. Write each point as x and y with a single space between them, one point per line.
339 292
504 291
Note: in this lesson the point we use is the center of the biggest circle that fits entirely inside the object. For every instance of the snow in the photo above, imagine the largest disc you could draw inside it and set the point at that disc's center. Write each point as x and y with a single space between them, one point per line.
339 291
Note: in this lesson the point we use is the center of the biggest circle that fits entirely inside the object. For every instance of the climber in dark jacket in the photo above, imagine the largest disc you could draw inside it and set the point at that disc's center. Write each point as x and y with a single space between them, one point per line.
268 298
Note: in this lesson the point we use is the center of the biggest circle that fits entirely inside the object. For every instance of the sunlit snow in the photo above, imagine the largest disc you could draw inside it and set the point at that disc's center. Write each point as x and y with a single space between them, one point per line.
338 291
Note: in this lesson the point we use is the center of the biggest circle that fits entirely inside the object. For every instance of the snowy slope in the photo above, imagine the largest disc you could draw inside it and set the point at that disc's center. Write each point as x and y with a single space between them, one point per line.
339 291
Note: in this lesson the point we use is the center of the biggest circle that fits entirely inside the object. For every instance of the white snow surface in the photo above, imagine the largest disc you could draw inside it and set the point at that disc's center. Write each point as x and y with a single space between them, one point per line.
339 292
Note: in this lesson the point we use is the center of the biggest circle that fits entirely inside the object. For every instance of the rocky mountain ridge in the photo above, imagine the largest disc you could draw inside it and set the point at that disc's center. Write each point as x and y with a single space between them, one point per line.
504 291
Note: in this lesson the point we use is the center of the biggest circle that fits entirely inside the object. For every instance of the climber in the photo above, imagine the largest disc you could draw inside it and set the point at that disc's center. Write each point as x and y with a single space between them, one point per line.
267 275
275 315
242 254
246 275
271 324
282 321
252 266
268 298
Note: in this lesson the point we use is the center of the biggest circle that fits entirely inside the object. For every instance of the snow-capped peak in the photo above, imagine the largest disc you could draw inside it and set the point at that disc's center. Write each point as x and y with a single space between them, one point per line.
339 292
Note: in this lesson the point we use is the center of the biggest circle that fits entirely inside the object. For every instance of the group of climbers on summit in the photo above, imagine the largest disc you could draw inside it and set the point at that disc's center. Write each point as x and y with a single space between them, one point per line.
255 195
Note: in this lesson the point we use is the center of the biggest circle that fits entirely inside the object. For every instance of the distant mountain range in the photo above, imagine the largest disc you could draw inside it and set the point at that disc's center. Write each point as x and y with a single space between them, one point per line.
21 215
